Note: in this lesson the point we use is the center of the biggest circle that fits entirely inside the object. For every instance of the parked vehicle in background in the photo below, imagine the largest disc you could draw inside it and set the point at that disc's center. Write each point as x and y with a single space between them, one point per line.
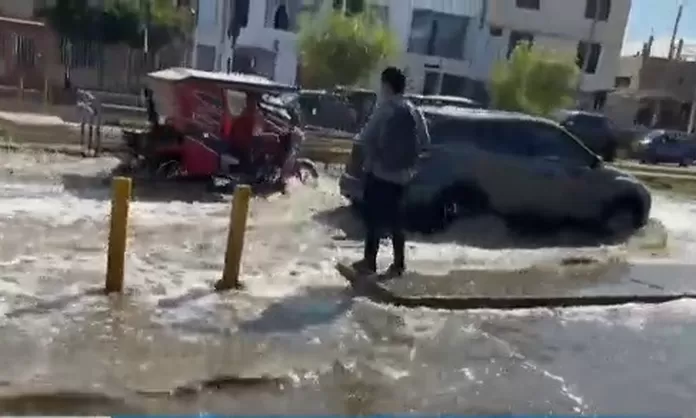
663 146
516 165
347 109
595 130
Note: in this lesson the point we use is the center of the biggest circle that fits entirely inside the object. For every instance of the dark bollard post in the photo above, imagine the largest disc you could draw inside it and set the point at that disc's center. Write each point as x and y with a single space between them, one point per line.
98 146
82 129
90 144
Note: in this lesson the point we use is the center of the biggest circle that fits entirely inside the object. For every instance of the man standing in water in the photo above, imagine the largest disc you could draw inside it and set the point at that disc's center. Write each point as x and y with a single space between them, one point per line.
392 141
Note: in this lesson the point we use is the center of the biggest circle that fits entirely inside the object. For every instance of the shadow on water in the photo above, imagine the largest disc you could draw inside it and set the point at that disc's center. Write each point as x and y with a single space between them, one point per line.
312 306
97 188
64 403
189 191
488 232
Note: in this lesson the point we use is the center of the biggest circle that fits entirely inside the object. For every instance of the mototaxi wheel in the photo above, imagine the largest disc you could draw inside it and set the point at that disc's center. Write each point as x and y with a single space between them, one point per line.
306 172
168 170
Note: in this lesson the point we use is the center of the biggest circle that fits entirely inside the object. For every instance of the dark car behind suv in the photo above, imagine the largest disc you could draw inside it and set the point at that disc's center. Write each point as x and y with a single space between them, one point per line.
595 130
662 146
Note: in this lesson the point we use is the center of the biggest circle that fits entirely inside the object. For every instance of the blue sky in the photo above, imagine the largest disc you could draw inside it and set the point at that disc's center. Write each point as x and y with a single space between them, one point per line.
658 15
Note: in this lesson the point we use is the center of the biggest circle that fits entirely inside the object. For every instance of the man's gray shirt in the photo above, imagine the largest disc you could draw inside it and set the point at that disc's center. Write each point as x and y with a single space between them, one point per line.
372 138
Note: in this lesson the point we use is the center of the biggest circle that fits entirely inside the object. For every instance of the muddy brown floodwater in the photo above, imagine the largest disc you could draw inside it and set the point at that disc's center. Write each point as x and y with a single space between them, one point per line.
296 340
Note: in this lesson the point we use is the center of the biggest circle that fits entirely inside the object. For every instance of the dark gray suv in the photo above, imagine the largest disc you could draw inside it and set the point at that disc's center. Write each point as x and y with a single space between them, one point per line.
515 165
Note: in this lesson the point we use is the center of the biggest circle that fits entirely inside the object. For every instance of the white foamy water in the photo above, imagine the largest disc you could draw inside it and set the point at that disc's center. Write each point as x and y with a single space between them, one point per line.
293 241
53 238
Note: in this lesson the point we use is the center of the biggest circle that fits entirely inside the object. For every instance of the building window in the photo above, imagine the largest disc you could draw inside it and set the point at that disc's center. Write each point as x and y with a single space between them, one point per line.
207 12
588 56
205 57
24 50
622 82
437 34
430 83
453 85
516 37
381 13
285 14
496 31
241 13
350 6
598 9
528 4
281 20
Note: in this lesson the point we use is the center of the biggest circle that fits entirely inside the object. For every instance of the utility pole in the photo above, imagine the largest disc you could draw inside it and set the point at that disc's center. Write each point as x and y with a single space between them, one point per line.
146 32
692 114
657 110
675 29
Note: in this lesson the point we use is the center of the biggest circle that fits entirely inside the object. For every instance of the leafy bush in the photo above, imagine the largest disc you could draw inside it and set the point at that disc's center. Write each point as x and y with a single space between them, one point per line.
534 81
342 49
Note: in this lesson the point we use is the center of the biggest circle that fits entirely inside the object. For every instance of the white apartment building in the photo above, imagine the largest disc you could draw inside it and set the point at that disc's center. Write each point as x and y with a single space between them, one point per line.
439 39
591 30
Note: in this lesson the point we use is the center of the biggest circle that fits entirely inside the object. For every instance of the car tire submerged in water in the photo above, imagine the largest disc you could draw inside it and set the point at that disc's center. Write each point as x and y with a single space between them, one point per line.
621 217
454 203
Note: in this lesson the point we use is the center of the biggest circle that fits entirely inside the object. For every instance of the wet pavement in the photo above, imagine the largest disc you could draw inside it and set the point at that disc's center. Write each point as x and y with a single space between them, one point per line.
296 340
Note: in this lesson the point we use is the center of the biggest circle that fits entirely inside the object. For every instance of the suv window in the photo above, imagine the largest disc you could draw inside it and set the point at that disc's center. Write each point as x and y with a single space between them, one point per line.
590 122
444 129
545 140
490 135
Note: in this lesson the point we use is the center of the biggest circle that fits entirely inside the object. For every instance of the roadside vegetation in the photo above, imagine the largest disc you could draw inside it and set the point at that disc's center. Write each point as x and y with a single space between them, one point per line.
343 48
534 81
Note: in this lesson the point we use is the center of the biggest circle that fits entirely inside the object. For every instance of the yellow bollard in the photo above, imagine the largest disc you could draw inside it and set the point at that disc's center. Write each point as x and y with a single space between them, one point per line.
235 239
120 200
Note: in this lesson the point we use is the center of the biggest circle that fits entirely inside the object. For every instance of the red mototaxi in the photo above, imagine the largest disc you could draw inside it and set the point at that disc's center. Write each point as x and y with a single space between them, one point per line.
193 115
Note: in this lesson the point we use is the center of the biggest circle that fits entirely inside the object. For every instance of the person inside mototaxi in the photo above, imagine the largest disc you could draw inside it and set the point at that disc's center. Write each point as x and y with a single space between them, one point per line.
244 128
248 127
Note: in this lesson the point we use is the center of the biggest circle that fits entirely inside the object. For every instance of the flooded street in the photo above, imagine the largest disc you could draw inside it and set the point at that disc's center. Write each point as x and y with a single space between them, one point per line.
296 340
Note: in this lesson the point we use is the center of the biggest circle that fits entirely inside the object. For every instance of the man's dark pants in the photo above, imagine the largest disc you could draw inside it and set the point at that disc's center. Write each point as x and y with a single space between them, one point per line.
383 210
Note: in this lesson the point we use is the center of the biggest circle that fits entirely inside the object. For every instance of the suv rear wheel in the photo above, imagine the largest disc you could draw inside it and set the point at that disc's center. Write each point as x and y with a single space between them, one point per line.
452 204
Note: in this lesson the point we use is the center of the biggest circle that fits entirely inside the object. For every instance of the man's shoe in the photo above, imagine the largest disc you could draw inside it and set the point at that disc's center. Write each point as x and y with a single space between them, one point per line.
395 270
364 267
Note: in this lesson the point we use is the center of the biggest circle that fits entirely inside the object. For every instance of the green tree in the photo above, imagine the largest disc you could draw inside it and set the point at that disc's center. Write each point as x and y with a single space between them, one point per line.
342 49
534 81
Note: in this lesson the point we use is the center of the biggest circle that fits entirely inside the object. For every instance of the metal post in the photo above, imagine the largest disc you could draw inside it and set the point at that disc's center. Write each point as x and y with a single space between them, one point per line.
235 239
82 129
692 114
90 144
657 109
98 112
118 234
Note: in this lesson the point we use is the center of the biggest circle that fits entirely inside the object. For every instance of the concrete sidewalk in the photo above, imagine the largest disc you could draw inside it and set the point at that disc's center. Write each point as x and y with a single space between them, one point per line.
550 287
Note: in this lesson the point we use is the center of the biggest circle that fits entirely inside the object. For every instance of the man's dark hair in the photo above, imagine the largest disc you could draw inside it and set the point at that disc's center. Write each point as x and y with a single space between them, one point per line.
395 79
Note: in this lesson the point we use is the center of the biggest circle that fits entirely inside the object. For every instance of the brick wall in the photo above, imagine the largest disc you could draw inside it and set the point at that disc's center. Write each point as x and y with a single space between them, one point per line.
32 52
